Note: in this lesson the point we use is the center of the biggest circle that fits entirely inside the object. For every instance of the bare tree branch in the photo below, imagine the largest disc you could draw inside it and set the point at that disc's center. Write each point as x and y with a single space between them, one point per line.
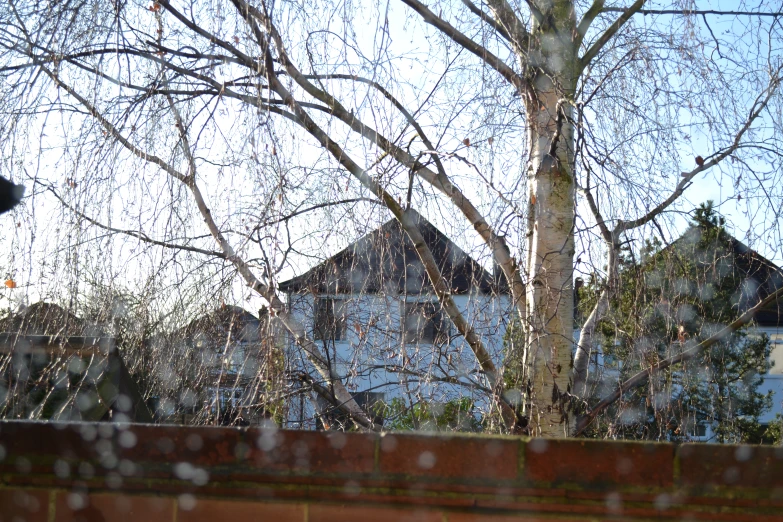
449 30
695 12
440 180
758 107
311 208
590 15
133 233
406 219
264 290
690 353
508 19
487 19
599 44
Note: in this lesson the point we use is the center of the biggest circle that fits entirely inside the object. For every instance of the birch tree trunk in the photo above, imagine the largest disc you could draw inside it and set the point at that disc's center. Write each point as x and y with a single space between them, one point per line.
549 339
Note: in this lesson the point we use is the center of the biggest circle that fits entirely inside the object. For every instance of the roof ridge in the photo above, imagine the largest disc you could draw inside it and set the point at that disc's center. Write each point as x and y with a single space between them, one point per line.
399 261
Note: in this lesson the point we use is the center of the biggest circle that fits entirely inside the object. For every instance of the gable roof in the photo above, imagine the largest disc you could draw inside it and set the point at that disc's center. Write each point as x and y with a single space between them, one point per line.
216 328
385 261
44 319
760 276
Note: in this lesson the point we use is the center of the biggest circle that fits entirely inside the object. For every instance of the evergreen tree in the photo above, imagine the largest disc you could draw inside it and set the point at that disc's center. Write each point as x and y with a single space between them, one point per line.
670 299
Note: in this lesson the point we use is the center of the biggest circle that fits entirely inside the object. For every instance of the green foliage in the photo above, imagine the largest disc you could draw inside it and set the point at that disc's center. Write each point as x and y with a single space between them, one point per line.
455 415
773 434
669 300
513 348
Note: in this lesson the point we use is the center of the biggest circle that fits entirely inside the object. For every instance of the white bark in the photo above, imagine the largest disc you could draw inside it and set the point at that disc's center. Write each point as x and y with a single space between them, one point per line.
550 236
587 334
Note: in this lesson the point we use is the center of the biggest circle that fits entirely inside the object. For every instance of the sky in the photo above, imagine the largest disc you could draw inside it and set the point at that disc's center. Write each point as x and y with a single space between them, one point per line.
411 46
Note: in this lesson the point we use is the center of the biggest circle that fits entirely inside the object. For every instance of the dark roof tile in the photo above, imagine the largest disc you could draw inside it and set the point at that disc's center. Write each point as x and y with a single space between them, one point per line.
385 260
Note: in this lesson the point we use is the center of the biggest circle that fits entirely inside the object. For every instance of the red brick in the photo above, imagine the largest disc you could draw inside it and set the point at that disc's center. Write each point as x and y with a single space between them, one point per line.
316 452
197 445
594 463
261 475
48 441
23 505
449 457
210 510
724 465
343 513
81 507
495 517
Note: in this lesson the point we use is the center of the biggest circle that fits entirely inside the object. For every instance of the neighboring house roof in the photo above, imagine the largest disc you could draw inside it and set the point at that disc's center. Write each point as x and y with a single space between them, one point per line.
224 324
44 319
760 275
385 260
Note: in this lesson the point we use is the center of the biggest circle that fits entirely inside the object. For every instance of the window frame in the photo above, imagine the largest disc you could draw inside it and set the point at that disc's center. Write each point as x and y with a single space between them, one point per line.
436 322
337 330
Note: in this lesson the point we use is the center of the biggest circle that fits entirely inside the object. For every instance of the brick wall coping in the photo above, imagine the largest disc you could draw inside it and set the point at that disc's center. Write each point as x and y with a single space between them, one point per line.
63 469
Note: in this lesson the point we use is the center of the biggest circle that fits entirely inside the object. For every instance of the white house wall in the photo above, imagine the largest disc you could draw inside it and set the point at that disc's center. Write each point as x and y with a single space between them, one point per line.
371 356
774 379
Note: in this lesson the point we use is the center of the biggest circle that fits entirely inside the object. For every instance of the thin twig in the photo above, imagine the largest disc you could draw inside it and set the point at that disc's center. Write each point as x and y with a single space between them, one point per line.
642 376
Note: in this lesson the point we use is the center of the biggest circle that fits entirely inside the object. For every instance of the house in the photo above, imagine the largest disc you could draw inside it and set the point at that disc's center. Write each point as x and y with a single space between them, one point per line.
758 277
373 311
217 369
725 279
56 365
761 277
226 360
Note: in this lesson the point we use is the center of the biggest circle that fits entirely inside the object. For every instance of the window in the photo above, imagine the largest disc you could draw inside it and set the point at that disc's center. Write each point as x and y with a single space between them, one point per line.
700 430
423 322
776 356
329 319
368 401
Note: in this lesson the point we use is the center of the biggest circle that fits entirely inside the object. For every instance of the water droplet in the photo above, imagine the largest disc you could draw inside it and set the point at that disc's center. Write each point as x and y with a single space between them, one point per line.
493 448
731 475
76 501
337 439
624 466
183 470
187 502
165 445
106 430
127 467
388 443
88 432
427 460
127 439
663 501
194 442
743 453
23 465
86 470
352 488
241 450
268 438
614 503
124 403
62 469
200 476
113 480
538 445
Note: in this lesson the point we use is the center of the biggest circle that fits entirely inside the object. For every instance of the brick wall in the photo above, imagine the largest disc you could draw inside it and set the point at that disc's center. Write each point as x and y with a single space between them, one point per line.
94 472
